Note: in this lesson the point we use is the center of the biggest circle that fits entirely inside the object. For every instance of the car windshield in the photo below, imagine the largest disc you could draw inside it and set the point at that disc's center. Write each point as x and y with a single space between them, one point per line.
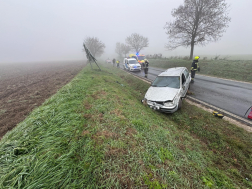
167 81
134 57
141 57
132 61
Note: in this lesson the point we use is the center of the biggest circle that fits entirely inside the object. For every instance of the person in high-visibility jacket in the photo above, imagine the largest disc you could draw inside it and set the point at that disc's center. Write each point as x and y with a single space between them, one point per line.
146 67
195 67
114 62
117 63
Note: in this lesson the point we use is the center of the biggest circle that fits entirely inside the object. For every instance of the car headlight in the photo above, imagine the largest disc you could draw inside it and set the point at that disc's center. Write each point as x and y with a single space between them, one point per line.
149 102
169 103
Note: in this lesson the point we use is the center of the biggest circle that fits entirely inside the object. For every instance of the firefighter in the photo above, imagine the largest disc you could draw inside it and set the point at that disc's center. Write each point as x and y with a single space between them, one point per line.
146 67
114 62
195 67
117 63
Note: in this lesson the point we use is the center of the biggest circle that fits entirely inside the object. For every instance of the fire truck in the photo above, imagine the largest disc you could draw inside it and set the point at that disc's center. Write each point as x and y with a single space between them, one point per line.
140 58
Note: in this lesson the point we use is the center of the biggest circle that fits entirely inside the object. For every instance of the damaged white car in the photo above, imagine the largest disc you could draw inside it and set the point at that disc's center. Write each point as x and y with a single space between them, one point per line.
168 90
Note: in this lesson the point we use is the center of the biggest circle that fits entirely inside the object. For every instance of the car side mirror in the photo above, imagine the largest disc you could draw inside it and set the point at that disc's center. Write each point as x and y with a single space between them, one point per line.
183 87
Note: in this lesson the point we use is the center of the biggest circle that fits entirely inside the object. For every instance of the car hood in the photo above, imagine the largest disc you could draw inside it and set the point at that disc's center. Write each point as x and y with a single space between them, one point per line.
134 65
161 94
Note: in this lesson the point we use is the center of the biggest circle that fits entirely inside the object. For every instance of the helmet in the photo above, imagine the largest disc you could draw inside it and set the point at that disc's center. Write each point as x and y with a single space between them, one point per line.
196 57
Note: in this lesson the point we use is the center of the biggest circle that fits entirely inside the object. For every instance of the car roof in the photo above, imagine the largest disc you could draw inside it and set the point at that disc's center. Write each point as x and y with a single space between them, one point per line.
173 71
130 58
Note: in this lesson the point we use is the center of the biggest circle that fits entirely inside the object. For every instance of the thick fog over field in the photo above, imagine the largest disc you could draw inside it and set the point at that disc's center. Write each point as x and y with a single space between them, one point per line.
50 30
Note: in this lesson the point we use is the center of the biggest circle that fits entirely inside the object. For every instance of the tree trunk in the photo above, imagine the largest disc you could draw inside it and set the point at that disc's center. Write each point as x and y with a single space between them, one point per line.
192 48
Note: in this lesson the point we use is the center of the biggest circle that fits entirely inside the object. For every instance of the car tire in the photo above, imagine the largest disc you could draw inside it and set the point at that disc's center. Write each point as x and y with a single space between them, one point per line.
180 104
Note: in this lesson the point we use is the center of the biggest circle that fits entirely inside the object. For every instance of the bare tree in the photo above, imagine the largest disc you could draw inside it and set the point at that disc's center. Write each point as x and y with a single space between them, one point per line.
118 49
95 46
197 22
137 42
122 49
125 49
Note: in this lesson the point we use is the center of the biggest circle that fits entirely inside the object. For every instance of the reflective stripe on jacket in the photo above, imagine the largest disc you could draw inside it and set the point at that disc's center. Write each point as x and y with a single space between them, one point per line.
195 65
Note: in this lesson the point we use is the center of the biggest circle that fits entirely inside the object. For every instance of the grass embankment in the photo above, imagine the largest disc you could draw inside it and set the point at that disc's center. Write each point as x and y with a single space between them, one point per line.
95 133
230 69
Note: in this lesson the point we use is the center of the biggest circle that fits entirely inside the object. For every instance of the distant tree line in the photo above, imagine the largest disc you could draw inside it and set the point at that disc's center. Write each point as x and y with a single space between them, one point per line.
154 56
135 42
122 49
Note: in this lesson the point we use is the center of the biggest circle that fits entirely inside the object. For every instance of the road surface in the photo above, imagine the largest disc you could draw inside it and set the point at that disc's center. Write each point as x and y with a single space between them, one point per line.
232 96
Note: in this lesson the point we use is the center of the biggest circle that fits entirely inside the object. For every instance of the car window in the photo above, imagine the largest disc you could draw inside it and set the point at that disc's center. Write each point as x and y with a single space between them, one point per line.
141 57
183 79
132 61
186 73
167 81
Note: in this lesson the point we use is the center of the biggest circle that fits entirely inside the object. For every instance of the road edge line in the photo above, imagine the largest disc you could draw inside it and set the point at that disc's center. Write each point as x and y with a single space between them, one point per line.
232 118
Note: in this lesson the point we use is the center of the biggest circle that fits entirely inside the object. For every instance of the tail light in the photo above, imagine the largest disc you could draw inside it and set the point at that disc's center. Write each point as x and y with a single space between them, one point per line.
250 114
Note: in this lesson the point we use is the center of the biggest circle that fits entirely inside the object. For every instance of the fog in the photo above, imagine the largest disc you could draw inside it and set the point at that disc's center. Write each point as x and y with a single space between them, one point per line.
52 30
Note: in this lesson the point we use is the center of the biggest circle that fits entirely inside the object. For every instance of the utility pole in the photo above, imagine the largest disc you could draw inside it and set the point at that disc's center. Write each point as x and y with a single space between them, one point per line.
90 57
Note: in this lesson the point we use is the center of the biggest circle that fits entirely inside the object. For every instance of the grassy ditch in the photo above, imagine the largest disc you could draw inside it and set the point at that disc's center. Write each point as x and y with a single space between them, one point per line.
230 69
95 133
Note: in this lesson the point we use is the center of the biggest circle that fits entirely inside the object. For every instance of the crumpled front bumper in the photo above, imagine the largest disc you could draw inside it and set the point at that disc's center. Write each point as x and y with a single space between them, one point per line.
162 108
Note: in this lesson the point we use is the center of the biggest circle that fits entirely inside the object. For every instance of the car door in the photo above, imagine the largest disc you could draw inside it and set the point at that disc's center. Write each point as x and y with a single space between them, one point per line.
188 78
184 84
125 63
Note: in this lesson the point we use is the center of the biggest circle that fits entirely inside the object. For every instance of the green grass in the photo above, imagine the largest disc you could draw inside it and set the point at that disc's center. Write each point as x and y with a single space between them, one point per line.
229 69
95 133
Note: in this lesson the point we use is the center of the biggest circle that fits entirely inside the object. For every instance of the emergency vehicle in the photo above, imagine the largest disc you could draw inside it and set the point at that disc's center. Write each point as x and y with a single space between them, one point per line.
131 64
133 56
139 58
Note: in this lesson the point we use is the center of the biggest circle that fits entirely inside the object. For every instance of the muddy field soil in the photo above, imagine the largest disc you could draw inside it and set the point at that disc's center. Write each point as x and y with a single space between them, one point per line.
26 86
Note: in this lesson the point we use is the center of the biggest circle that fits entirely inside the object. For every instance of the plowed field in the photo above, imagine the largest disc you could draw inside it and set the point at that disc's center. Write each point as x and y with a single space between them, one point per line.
26 86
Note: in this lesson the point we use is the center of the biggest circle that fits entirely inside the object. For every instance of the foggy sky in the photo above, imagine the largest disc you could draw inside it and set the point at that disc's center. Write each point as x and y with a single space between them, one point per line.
45 30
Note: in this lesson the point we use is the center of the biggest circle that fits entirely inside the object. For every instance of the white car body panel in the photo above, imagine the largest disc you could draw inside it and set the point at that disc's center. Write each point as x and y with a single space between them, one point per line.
131 67
161 93
157 97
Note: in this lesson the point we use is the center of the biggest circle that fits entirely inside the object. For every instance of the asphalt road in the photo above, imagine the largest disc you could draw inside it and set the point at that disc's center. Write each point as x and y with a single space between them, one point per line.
232 96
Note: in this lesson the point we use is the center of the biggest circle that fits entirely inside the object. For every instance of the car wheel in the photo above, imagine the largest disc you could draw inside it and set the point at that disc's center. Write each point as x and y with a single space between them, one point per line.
180 104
